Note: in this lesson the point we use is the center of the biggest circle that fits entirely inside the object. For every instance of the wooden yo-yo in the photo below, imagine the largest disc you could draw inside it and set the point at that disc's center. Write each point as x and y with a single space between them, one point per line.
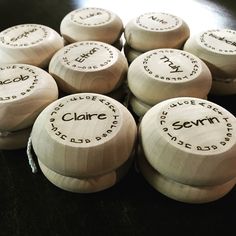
88 66
161 74
84 136
25 91
182 192
86 185
91 23
156 30
191 141
217 49
32 44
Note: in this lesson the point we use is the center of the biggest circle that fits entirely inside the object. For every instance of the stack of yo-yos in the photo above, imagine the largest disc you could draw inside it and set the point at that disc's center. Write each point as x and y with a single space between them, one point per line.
161 74
217 48
97 67
89 66
25 90
154 30
187 149
95 24
84 142
32 44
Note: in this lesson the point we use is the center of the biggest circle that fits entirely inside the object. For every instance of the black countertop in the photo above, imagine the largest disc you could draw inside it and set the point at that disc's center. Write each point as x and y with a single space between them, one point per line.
31 205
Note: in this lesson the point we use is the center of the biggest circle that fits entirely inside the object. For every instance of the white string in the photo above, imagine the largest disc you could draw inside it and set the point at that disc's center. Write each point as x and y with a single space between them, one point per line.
30 156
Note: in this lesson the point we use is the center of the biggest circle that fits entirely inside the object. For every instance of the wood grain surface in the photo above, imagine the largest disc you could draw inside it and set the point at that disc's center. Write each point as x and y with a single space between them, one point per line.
216 48
91 24
88 66
84 135
31 205
87 185
166 73
182 192
32 44
156 30
24 92
190 140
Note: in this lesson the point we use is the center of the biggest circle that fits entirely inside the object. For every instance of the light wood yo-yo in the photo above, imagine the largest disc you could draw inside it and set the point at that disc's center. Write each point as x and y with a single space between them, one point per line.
32 44
25 90
217 48
161 74
182 192
14 140
156 30
84 135
191 141
86 185
91 23
89 66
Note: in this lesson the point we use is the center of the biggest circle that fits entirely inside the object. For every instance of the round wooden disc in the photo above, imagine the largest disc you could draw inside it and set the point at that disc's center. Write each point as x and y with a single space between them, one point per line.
14 140
156 30
86 185
84 135
166 73
190 140
138 107
32 44
131 53
223 86
88 66
91 24
217 49
25 91
182 192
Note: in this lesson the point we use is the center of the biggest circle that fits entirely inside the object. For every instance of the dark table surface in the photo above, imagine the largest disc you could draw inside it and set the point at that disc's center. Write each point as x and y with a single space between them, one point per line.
31 205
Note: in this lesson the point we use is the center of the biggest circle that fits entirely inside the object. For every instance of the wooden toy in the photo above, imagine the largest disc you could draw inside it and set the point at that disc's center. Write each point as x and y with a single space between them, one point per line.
191 141
25 90
91 23
88 66
84 135
156 30
32 44
217 48
86 185
161 74
182 192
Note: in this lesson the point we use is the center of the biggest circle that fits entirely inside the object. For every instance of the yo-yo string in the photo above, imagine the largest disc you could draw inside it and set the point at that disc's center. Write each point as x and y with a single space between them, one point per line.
30 155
